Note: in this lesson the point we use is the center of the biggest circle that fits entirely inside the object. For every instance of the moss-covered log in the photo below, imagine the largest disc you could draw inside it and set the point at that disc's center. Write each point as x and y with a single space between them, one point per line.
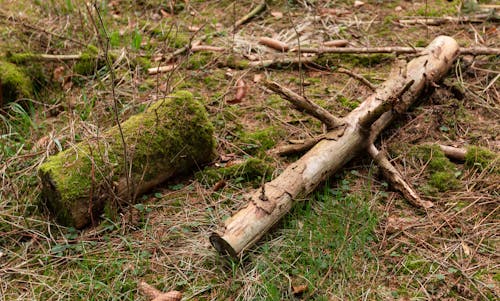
172 136
14 83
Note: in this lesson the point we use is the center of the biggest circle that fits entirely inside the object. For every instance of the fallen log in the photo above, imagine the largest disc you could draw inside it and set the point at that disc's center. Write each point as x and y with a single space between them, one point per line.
360 128
171 137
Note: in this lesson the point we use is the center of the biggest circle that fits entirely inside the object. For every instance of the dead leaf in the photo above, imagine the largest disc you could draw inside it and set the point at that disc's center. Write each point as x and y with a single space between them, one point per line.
358 4
299 289
257 78
58 74
170 296
396 223
219 185
227 158
466 249
193 28
165 14
241 92
68 84
277 14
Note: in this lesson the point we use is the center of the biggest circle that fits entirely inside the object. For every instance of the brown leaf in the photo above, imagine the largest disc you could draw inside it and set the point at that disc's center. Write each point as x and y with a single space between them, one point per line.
58 74
219 185
274 44
241 92
165 14
466 249
277 14
257 78
299 289
396 223
358 3
170 296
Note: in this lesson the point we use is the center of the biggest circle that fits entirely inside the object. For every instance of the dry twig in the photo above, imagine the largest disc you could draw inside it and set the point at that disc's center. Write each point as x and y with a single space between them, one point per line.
305 104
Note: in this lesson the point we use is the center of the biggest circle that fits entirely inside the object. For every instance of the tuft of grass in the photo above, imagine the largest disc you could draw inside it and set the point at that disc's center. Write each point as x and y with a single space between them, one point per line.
325 243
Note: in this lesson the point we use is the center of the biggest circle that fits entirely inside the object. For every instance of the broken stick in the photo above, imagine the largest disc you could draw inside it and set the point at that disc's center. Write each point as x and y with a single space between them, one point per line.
274 199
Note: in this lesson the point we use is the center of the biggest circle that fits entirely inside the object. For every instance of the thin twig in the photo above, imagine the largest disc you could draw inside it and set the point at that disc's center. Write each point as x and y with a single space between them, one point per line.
395 49
105 44
360 78
302 103
396 179
257 10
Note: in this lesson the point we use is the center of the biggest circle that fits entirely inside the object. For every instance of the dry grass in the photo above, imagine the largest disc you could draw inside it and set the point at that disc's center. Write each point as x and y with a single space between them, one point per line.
353 239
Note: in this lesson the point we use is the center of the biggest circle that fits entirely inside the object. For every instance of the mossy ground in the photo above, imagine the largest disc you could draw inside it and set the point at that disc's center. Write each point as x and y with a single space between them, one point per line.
341 242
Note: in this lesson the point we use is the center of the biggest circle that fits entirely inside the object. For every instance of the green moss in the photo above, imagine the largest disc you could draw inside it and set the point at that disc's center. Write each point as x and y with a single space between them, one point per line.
199 60
351 60
172 135
15 84
236 63
443 181
20 58
438 8
347 103
88 62
142 62
174 38
260 141
481 158
440 170
251 170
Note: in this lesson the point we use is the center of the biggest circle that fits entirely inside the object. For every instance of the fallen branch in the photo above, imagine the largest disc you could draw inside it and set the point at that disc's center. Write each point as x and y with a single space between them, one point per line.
395 49
455 153
305 105
257 10
395 178
274 199
442 20
358 77
295 148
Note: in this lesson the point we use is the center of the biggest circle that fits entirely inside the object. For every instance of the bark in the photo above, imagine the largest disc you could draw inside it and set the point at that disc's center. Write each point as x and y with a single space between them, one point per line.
267 205
396 179
171 137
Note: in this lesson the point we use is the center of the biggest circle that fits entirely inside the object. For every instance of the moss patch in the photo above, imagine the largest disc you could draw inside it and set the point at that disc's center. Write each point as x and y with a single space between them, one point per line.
251 170
89 62
481 158
442 173
260 141
14 83
170 137
351 60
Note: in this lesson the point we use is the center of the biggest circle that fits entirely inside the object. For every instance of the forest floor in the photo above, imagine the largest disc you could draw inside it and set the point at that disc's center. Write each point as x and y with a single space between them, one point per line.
354 238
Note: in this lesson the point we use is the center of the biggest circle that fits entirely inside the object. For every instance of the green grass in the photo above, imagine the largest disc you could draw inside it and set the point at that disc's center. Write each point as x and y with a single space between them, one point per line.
326 242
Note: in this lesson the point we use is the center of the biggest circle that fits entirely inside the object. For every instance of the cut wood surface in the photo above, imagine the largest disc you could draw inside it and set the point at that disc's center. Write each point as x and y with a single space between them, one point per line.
171 137
274 199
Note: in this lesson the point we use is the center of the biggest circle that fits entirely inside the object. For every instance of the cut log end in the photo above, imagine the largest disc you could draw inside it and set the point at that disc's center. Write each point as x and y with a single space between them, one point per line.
222 246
